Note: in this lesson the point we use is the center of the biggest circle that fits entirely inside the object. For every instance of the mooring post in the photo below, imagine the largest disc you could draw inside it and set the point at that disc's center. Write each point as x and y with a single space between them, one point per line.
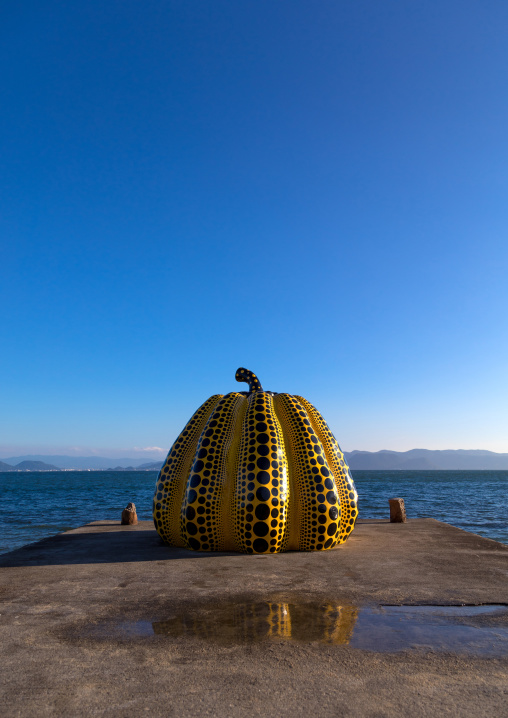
129 516
397 511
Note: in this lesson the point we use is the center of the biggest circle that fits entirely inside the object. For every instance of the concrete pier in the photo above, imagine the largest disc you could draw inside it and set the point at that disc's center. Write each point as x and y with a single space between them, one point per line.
106 621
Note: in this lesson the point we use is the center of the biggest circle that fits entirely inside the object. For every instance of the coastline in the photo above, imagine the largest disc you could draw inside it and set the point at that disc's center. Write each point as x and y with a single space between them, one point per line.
37 505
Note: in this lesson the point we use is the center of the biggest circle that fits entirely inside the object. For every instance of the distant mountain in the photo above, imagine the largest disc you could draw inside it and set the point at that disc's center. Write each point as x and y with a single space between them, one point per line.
35 466
416 459
6 467
121 468
83 463
427 459
154 466
28 466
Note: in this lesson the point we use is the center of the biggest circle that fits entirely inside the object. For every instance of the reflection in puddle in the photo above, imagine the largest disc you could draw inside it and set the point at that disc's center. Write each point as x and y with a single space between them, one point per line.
253 622
478 630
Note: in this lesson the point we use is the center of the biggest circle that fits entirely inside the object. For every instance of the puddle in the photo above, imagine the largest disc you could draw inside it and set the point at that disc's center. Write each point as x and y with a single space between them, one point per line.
455 611
478 630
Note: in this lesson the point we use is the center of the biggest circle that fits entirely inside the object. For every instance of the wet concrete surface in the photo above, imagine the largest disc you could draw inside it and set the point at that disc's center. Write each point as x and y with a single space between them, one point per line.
105 620
461 629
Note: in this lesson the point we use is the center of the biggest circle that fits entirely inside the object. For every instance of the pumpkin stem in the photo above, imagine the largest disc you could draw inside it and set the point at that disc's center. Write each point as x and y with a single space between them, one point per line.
250 378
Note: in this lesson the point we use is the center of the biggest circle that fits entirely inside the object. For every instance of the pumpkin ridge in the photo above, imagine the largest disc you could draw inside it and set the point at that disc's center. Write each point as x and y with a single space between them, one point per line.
230 490
201 521
262 494
172 478
342 475
292 534
312 480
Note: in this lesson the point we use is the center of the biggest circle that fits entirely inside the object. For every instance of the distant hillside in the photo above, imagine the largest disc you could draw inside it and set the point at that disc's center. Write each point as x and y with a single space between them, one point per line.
415 459
427 459
154 466
83 463
144 467
35 466
28 466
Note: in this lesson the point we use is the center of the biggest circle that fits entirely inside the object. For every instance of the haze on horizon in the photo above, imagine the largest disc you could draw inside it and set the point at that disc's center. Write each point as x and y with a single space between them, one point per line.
317 192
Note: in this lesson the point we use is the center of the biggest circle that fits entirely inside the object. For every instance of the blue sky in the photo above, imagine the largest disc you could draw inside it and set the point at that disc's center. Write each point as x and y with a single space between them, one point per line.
316 191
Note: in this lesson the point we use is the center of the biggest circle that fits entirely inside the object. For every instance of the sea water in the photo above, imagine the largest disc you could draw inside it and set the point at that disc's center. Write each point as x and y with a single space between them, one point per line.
39 504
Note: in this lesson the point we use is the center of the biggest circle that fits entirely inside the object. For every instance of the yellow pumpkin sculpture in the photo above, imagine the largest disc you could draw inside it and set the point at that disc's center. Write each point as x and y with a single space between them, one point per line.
256 472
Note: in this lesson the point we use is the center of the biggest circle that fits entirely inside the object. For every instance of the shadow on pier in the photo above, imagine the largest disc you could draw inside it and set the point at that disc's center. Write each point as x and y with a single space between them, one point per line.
109 545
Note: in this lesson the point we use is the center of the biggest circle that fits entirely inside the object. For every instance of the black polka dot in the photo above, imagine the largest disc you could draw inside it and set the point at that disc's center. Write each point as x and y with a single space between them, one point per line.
260 545
190 513
263 494
262 511
191 528
260 528
263 477
194 543
263 463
